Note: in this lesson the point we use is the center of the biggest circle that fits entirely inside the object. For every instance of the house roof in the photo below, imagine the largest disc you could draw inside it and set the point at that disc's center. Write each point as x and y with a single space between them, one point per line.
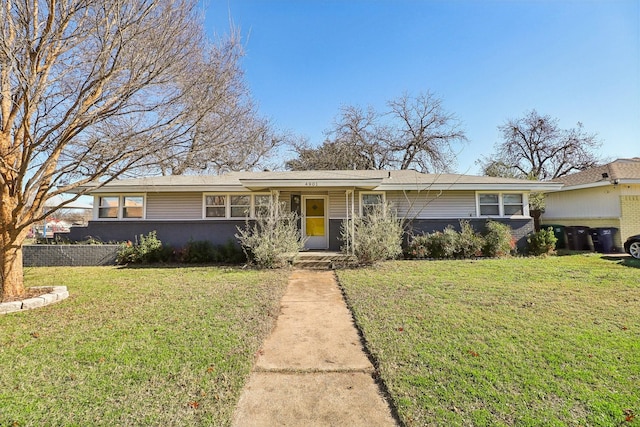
621 171
362 179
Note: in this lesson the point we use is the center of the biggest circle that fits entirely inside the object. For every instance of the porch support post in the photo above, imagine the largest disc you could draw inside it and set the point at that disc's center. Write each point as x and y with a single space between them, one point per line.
346 195
353 224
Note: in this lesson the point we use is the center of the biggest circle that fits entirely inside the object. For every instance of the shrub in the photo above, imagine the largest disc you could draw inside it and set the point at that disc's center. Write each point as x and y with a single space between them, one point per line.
498 240
198 252
231 253
374 237
443 244
469 243
542 242
203 251
446 244
145 250
273 235
417 247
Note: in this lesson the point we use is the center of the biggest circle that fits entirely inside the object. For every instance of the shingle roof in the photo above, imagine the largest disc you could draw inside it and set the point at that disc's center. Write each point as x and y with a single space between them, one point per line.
380 179
621 169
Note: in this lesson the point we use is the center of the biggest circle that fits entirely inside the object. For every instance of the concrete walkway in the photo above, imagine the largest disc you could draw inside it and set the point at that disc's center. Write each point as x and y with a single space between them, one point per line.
312 370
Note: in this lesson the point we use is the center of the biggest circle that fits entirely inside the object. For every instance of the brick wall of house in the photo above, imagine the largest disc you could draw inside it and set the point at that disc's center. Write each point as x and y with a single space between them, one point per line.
630 222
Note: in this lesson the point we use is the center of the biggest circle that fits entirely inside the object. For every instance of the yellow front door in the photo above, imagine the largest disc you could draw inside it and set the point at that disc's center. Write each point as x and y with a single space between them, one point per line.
314 222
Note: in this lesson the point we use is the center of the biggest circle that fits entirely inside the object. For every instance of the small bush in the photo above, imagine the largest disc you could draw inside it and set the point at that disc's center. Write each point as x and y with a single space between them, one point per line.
443 244
469 242
376 236
203 251
418 246
147 249
230 253
198 252
542 242
272 235
446 244
498 240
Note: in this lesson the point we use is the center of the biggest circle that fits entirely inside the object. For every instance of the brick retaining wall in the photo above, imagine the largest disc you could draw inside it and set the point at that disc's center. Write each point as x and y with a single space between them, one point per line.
68 255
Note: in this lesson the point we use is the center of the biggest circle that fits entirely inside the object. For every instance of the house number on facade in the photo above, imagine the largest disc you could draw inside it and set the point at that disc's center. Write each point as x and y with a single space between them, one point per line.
311 183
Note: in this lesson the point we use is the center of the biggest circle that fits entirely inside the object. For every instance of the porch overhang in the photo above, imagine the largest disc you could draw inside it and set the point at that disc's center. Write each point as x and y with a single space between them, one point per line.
310 184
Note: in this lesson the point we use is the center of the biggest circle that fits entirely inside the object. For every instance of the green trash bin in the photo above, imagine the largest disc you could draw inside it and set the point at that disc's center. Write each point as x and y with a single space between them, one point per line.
559 232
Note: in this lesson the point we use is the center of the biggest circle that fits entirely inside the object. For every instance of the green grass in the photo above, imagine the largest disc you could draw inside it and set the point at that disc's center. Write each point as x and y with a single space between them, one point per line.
148 346
523 341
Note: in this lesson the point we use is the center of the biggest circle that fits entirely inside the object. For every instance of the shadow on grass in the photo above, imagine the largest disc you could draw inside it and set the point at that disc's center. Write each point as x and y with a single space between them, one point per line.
630 262
177 265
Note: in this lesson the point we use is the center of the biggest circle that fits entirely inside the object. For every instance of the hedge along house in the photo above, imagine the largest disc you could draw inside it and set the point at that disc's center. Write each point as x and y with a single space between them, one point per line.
603 196
184 208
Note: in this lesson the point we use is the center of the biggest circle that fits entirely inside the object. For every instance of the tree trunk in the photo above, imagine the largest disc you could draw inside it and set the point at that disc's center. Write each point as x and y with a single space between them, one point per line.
11 239
11 269
536 213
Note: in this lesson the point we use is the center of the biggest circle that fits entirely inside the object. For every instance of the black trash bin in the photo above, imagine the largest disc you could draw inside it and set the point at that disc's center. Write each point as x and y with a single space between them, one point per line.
602 238
558 231
578 238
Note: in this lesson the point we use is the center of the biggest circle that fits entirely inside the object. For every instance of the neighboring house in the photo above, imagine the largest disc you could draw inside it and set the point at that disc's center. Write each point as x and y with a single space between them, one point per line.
184 208
604 196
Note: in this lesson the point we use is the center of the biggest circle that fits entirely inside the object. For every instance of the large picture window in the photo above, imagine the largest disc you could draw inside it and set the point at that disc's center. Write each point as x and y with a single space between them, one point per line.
216 206
240 206
236 206
502 204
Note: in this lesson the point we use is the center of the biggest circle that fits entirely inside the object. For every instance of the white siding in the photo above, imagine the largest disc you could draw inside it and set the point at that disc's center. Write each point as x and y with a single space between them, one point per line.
285 196
338 204
174 206
599 202
433 204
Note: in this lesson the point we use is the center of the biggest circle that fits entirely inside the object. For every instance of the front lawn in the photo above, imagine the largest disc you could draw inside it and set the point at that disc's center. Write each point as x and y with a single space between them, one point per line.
148 346
521 341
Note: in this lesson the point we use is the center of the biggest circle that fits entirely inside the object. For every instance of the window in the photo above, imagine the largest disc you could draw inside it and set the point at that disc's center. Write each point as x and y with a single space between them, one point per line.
261 205
132 206
370 200
108 207
215 206
502 204
240 206
489 204
512 204
121 207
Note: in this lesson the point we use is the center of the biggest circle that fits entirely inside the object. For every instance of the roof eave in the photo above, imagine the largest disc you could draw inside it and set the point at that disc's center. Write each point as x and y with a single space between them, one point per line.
262 184
566 187
165 188
534 186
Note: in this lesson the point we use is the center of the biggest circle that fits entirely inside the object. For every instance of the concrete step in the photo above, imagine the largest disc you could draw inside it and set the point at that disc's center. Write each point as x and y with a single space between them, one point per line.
313 264
321 260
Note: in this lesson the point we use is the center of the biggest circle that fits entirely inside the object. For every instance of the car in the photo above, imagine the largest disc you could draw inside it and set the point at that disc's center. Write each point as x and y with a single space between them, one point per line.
632 246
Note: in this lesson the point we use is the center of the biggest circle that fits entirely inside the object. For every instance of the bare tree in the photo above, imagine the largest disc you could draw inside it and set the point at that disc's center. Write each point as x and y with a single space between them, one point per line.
328 156
91 90
416 132
426 133
535 147
228 134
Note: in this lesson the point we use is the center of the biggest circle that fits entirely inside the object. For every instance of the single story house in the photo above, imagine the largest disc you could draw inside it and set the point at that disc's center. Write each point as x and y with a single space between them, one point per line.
184 208
603 196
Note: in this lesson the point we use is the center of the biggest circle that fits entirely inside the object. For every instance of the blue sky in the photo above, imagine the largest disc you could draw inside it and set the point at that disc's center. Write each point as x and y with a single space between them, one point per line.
489 61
